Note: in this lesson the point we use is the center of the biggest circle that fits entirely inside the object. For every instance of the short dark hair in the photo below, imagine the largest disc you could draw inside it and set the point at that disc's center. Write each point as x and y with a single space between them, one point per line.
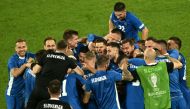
102 60
114 45
118 31
54 86
101 40
20 40
151 38
119 6
120 58
163 43
68 34
48 38
130 41
61 45
84 49
141 42
177 40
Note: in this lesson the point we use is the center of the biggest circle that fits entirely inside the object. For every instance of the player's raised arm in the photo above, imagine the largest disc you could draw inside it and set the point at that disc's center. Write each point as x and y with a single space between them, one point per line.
126 74
177 63
78 70
36 69
145 33
86 97
17 71
111 26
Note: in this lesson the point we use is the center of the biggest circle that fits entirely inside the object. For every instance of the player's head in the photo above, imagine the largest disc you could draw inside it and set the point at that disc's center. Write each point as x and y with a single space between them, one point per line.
62 46
141 44
49 43
82 53
113 49
118 32
113 37
90 58
174 43
120 10
90 55
102 61
150 42
128 46
162 46
21 47
54 87
71 37
116 35
100 46
149 54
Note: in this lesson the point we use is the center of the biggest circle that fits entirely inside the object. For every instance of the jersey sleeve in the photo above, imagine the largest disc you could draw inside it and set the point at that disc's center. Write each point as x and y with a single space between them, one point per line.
92 37
136 46
87 86
174 54
182 71
115 75
42 60
170 67
30 55
80 78
135 75
12 64
137 23
112 17
72 64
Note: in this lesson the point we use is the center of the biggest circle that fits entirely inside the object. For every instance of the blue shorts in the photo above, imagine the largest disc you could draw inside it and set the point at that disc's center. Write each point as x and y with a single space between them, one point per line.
75 103
186 95
135 105
178 102
15 102
92 104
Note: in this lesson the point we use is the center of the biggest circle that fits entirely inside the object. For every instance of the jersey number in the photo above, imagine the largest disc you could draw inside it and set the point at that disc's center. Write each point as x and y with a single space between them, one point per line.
122 28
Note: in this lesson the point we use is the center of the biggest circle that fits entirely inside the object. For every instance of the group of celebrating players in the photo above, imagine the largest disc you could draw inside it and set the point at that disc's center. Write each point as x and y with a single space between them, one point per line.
115 71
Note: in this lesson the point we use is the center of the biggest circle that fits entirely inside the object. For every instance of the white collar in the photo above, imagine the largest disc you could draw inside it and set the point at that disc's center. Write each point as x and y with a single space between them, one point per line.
58 51
154 63
164 55
21 57
54 98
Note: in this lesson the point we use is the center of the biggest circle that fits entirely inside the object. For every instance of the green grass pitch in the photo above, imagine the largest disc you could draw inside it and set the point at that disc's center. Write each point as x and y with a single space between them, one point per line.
35 19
